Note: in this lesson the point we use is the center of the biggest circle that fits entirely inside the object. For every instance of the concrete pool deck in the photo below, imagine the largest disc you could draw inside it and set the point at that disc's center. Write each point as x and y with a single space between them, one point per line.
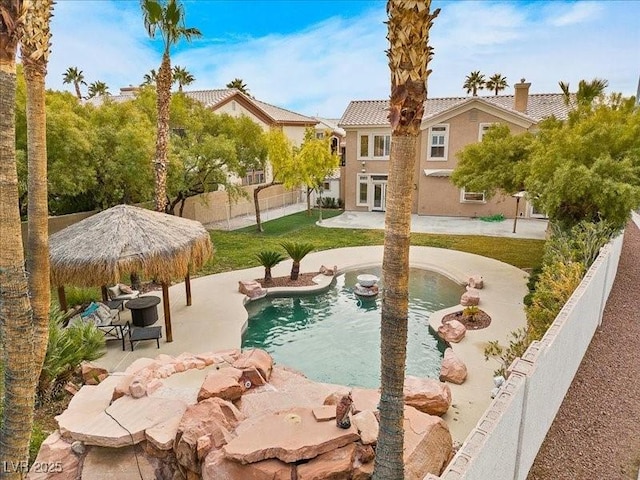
217 317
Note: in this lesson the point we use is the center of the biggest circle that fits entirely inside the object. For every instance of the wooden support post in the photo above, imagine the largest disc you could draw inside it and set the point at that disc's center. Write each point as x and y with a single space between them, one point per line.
167 311
105 295
187 286
62 298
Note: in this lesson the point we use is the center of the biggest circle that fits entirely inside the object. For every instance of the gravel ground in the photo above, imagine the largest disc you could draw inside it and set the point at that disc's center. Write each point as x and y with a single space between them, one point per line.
596 434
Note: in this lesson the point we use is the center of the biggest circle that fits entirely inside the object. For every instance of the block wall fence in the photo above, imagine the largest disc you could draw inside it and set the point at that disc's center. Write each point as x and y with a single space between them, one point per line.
507 438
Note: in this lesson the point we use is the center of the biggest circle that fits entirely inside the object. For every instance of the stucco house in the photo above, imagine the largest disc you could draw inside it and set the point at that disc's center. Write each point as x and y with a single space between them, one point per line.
447 126
329 126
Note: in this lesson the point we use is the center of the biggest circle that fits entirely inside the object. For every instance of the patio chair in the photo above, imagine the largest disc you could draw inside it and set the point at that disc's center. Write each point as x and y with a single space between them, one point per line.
106 319
120 292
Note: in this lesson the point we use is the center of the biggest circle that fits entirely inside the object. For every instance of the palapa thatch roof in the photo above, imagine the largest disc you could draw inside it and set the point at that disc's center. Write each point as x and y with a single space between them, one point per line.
100 249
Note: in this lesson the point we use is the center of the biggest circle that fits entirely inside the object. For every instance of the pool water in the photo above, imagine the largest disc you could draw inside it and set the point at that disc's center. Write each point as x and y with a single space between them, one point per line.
334 336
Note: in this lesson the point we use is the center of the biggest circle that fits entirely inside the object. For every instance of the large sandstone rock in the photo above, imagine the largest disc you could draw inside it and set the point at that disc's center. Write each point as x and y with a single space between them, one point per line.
251 288
427 395
453 369
92 374
427 444
334 465
290 435
163 435
367 425
57 454
222 383
214 417
470 298
217 467
255 358
476 281
452 331
127 463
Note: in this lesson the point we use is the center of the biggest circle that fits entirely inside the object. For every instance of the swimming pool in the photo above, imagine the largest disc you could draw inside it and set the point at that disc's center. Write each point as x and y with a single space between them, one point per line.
334 336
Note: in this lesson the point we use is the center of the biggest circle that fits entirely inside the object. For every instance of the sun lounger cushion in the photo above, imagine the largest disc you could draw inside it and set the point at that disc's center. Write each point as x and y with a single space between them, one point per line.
118 293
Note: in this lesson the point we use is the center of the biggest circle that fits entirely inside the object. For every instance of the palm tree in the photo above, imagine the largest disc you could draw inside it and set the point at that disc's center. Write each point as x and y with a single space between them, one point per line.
150 78
409 54
496 83
98 89
75 76
473 82
238 84
269 259
182 77
587 91
166 17
20 364
297 251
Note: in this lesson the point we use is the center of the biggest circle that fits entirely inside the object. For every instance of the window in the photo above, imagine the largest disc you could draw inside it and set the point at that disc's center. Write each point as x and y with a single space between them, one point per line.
320 135
364 146
381 145
362 194
471 197
438 139
484 128
253 177
326 186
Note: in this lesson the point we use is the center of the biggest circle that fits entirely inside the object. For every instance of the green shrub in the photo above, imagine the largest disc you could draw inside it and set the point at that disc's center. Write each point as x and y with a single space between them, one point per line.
38 435
582 243
67 349
498 217
80 296
518 344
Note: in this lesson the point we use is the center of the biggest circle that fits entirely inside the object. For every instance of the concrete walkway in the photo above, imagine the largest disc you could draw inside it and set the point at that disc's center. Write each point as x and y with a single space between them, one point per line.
217 317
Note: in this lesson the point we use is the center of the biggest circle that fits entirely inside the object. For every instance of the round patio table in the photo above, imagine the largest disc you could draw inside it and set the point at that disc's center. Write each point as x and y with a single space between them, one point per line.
144 311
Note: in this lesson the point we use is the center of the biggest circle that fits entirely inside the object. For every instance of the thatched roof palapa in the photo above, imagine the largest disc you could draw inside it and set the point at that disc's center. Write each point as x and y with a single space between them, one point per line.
100 249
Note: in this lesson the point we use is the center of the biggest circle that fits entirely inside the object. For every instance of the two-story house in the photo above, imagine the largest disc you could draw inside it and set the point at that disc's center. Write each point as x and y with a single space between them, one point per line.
448 125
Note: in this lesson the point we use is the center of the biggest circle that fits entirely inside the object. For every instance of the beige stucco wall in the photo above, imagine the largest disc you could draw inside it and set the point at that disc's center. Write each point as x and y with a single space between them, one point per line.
294 133
235 109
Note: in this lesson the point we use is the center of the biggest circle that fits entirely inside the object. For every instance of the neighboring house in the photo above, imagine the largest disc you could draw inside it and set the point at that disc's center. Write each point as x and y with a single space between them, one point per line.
448 125
235 103
329 126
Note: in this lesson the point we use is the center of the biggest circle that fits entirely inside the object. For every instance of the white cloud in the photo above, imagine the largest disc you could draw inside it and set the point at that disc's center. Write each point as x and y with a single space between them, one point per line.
570 14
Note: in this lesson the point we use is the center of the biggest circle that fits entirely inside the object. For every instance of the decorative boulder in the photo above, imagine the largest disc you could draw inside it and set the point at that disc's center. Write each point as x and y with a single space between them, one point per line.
221 383
55 452
328 271
452 331
427 395
453 369
255 359
470 298
92 374
246 286
476 281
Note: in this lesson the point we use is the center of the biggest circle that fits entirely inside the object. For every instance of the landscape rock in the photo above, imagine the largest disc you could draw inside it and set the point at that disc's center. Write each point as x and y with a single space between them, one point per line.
216 467
78 448
476 281
427 395
427 444
137 389
92 374
324 413
122 387
367 425
452 331
214 417
140 364
453 369
245 286
126 463
71 388
290 435
251 378
221 383
57 454
470 298
255 358
203 446
363 398
162 436
335 465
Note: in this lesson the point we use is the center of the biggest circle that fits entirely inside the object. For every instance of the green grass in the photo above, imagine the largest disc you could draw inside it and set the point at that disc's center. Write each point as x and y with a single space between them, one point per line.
237 249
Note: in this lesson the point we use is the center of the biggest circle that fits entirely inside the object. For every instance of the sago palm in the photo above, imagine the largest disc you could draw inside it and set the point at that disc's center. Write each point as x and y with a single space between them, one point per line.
166 17
409 54
269 259
75 76
496 83
473 82
182 77
297 251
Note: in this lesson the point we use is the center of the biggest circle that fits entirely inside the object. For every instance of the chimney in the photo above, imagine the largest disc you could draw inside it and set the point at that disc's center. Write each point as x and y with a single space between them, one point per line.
521 96
130 90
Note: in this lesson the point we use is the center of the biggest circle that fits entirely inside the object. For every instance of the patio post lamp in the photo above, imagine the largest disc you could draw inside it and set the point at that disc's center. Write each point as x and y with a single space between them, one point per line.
517 196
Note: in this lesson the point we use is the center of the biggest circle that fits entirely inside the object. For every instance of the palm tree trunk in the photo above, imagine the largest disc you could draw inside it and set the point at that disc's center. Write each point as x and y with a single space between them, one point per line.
163 85
409 54
295 270
15 309
267 274
77 85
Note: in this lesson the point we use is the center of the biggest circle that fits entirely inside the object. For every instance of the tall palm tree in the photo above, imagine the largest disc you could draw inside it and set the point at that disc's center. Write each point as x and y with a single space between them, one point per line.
98 89
34 50
496 83
150 78
587 92
297 251
75 76
167 18
409 54
15 306
473 82
182 77
238 84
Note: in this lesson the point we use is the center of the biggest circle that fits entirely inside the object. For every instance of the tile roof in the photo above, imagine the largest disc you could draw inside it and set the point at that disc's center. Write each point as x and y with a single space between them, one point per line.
210 98
374 112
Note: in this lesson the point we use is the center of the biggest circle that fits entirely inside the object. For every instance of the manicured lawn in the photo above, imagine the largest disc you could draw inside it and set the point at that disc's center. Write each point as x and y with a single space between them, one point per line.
237 249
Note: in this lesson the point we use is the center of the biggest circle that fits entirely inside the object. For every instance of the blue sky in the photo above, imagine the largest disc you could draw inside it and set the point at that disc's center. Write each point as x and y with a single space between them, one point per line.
314 56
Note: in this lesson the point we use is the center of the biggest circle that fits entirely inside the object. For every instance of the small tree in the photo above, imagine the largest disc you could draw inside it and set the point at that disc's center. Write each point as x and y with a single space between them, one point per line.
269 259
297 251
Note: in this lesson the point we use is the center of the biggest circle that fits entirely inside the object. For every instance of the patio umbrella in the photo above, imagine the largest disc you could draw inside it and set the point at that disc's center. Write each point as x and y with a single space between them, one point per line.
100 249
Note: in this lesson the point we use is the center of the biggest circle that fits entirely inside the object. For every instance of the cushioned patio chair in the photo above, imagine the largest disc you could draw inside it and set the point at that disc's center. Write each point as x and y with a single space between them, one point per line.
122 292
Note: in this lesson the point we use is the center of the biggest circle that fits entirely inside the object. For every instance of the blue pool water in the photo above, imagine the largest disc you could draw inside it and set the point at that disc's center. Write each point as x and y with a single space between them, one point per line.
334 336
